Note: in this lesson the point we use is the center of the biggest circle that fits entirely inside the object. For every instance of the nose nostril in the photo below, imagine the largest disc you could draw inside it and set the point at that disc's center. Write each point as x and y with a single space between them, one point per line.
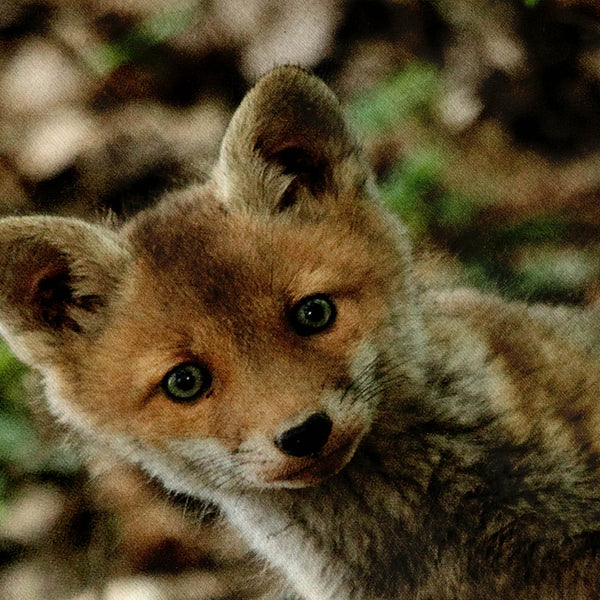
307 438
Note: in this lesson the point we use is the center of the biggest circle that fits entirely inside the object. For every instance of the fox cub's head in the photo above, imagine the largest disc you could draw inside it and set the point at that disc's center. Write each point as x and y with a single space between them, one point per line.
237 334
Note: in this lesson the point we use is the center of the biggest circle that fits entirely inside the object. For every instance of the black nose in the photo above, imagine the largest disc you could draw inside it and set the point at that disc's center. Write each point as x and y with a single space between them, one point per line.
306 438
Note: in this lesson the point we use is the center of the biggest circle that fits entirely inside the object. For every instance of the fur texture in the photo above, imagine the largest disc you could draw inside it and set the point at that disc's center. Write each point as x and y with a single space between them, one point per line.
462 457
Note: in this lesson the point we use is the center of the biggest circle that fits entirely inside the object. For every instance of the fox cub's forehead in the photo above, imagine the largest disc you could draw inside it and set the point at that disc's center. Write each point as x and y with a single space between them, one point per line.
213 257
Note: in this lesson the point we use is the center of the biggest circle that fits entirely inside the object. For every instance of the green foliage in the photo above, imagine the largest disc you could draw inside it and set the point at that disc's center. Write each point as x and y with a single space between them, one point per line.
136 44
415 189
22 452
495 255
395 100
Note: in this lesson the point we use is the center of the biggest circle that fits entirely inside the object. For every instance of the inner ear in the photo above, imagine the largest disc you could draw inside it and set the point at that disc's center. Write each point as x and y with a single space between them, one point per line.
57 278
54 298
308 169
297 161
40 280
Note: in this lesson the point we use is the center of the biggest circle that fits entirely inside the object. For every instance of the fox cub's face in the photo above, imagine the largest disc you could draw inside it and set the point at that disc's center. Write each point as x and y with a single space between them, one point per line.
235 335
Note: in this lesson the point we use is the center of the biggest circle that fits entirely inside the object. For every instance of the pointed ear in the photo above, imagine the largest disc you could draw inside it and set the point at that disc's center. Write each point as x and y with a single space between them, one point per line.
56 278
288 146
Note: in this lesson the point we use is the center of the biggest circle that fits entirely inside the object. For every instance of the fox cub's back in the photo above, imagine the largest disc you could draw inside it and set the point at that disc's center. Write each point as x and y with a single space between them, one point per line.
543 363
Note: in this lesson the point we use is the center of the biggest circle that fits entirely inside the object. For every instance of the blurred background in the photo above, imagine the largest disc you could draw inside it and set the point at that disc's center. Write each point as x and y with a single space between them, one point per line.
481 119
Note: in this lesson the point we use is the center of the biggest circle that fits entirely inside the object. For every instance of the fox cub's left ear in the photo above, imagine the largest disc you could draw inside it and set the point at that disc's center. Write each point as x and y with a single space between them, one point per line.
288 147
56 278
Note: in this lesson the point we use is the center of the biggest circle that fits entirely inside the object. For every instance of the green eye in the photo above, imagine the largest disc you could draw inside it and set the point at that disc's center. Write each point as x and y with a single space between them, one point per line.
186 382
312 314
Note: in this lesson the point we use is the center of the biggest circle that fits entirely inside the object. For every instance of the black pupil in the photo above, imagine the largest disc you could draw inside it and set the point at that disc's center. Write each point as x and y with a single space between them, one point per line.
184 380
314 311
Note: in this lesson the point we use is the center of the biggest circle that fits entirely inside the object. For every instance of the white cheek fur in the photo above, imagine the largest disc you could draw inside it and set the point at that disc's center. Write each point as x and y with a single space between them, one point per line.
194 475
66 412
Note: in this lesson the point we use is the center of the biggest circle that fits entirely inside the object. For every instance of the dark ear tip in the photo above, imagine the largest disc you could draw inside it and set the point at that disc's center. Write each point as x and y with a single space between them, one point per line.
294 113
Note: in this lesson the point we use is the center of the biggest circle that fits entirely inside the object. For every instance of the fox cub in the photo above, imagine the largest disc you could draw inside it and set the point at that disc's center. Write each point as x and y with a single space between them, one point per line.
259 342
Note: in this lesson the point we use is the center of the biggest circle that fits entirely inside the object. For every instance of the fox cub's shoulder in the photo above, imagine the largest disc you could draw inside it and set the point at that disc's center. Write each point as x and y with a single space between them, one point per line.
542 363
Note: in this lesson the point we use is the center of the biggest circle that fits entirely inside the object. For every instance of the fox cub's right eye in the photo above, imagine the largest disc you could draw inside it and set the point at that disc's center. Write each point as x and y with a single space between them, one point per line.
313 314
186 382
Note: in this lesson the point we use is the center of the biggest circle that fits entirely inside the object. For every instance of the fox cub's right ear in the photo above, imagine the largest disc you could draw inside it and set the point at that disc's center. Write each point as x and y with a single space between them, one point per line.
56 277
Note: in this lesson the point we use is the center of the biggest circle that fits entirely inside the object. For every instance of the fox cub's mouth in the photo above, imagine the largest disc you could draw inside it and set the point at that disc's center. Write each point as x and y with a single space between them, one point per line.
316 468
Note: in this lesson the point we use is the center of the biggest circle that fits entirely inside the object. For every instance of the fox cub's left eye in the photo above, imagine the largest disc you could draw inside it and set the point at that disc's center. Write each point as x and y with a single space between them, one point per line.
186 382
312 314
